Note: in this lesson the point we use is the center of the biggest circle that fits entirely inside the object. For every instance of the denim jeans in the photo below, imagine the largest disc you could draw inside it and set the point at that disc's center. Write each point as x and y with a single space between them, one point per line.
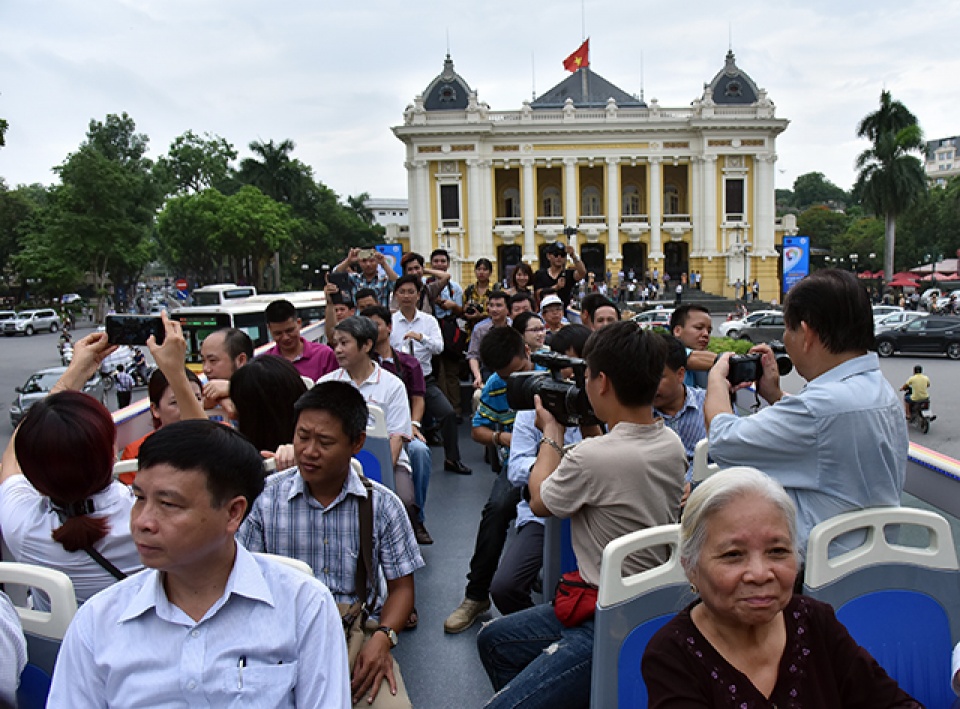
419 454
534 661
499 511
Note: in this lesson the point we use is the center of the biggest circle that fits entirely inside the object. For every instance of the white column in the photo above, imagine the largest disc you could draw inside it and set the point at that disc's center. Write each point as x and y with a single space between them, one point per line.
529 210
613 209
710 205
486 199
655 200
418 180
571 206
479 238
765 201
696 205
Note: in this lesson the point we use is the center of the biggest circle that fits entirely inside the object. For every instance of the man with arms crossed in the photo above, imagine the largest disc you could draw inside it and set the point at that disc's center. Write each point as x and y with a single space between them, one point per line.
841 443
311 513
207 623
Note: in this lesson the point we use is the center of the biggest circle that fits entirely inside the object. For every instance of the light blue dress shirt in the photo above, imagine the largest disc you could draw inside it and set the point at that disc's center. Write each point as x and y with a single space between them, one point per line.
274 639
452 291
524 446
839 445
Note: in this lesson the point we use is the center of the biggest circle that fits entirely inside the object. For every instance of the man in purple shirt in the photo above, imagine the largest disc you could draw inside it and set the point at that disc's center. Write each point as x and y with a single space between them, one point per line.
311 359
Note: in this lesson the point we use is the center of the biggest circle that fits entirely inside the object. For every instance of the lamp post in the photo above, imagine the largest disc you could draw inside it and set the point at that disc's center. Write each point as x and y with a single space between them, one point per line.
306 274
853 261
743 246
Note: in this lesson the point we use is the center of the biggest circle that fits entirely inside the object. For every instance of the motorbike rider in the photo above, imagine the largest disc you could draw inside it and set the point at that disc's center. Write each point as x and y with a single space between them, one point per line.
916 388
140 367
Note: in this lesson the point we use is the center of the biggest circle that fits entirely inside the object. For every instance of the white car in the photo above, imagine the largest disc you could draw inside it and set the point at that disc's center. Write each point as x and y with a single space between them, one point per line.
880 311
28 322
888 322
654 318
732 328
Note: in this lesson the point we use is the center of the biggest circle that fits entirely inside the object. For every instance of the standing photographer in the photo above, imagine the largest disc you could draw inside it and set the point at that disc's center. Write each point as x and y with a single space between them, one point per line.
841 443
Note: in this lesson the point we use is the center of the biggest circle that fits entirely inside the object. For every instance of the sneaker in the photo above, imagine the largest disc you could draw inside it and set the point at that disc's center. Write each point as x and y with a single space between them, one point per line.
466 613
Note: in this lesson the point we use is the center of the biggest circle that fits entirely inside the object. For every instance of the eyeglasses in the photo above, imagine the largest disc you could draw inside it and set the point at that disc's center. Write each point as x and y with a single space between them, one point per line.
536 329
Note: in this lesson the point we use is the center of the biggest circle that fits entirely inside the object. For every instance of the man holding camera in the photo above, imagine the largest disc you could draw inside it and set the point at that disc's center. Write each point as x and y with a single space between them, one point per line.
370 262
841 443
607 486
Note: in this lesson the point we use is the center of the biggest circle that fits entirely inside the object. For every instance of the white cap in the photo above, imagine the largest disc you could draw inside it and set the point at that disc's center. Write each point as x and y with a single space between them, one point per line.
551 299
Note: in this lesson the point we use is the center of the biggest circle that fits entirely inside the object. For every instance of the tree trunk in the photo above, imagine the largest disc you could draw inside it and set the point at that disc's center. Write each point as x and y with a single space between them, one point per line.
889 240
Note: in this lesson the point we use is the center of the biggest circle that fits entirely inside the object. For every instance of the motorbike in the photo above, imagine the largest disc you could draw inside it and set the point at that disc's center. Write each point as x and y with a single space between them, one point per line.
65 348
921 415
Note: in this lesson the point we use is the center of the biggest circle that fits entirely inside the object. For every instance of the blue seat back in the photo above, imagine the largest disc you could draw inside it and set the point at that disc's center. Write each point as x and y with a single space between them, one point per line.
376 457
900 603
629 612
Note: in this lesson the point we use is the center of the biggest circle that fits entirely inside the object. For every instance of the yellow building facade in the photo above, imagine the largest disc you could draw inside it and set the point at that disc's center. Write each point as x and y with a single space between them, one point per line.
633 186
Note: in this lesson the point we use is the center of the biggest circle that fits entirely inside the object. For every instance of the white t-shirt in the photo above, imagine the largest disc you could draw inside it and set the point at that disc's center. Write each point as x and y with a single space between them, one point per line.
27 521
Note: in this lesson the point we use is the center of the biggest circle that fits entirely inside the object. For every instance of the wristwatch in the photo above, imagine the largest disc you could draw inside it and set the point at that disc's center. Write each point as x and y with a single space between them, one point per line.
390 633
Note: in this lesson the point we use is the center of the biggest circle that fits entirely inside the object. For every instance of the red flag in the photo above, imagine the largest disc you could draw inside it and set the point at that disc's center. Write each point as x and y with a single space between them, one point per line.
579 58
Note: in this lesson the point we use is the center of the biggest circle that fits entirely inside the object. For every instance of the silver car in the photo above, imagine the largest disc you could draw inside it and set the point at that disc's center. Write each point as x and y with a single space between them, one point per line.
28 322
769 327
888 322
39 385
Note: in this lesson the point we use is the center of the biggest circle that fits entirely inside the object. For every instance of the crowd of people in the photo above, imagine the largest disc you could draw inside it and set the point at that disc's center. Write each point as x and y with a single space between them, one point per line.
174 573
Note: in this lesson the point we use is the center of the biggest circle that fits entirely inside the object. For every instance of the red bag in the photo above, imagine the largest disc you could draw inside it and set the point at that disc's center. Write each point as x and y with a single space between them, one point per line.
575 601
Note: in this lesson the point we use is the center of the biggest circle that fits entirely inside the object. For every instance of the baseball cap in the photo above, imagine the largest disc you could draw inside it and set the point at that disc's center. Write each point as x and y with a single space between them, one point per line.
551 299
556 249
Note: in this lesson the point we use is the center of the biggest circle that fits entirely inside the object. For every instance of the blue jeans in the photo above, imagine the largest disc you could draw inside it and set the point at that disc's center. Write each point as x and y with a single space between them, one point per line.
534 661
419 454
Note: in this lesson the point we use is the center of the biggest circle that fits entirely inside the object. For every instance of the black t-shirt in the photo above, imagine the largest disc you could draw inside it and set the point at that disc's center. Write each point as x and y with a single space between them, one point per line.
542 279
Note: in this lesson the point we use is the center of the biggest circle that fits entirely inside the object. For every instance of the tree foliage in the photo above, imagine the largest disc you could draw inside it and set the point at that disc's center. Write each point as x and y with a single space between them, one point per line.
194 163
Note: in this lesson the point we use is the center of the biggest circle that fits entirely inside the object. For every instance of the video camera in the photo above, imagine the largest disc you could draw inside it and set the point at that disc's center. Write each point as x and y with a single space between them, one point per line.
566 400
747 368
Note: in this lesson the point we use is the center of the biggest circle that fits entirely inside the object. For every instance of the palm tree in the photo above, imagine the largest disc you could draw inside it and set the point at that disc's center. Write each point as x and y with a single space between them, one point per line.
275 173
890 179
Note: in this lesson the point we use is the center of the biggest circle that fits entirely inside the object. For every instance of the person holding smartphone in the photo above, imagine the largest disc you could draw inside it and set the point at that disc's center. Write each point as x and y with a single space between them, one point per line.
370 262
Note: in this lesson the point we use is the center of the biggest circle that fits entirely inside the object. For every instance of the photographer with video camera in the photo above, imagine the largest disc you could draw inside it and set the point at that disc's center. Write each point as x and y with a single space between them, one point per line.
838 445
628 479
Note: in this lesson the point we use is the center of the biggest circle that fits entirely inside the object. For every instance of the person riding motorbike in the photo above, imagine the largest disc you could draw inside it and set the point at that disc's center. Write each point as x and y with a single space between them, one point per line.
916 388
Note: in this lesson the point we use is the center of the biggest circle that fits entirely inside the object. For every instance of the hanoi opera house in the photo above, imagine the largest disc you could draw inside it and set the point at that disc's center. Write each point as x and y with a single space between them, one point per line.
633 185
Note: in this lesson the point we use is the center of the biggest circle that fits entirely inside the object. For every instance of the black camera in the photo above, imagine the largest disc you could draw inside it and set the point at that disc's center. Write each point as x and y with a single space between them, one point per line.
566 400
471 310
748 368
784 363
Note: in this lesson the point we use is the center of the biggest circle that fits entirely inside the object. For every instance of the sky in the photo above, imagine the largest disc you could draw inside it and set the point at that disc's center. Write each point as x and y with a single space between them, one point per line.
335 77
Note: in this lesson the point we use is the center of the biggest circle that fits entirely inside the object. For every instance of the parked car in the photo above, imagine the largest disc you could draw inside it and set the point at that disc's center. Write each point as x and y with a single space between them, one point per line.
888 322
7 315
39 385
654 318
731 328
766 328
28 322
932 334
880 311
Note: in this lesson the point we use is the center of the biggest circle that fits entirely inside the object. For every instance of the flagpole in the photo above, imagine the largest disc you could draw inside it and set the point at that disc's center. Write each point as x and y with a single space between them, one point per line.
583 20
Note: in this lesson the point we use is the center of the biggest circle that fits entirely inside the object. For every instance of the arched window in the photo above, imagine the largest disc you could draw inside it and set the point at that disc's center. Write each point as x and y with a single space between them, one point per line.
511 203
590 202
551 202
671 199
630 201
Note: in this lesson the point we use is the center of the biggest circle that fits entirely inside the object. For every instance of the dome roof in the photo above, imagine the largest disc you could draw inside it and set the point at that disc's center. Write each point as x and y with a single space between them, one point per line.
586 89
732 85
447 92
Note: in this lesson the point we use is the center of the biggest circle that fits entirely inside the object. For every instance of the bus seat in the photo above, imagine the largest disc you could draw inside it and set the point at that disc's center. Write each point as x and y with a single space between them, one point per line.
630 611
287 561
125 470
558 555
44 631
915 590
702 467
376 457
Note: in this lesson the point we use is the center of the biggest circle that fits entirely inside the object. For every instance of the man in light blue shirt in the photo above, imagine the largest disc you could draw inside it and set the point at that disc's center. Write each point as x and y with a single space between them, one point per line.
841 443
207 624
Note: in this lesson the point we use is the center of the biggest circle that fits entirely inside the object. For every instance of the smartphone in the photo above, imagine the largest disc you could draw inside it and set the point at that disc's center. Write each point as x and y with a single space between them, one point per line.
366 253
134 329
341 281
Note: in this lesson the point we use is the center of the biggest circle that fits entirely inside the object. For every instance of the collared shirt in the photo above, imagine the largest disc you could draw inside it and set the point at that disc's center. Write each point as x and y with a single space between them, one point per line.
124 381
131 647
839 445
480 331
688 423
315 360
28 520
409 372
451 291
386 391
524 446
287 520
426 325
494 411
13 651
381 285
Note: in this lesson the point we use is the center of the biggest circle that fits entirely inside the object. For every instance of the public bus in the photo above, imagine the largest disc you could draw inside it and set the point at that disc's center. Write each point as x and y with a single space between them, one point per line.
219 293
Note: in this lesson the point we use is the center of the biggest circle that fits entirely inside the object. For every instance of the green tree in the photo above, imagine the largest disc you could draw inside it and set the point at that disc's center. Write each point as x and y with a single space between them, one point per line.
890 178
358 205
18 209
253 227
823 225
814 188
195 163
275 173
3 131
188 235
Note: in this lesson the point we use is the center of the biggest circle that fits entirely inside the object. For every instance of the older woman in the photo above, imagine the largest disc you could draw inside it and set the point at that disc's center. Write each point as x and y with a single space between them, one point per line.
748 641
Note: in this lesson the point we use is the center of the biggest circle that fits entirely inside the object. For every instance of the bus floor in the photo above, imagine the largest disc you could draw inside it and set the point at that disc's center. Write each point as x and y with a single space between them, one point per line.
442 670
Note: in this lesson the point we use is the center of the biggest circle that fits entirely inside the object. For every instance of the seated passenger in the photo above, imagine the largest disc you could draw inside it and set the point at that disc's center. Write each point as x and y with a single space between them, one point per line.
208 623
679 405
609 485
223 352
597 310
497 311
311 359
530 325
748 640
263 394
13 651
164 410
312 512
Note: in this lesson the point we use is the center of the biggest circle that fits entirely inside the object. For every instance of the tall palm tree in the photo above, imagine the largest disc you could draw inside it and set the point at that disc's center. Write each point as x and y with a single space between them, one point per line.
275 173
890 178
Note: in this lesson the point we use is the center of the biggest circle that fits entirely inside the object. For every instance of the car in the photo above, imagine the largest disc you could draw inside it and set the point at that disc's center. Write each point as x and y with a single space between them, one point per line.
28 322
7 315
731 328
654 318
880 311
888 322
38 386
68 298
934 334
765 329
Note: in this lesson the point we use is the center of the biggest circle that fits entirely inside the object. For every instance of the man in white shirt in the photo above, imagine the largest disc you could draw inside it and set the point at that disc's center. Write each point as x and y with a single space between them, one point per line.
207 623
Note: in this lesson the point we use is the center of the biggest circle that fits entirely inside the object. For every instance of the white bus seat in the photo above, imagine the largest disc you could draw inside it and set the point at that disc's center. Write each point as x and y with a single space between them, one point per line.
702 467
287 561
376 456
44 631
558 555
629 612
901 603
123 467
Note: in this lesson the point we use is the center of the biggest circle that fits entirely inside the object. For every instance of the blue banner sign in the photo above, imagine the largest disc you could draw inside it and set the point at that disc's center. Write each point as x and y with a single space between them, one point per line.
796 260
392 253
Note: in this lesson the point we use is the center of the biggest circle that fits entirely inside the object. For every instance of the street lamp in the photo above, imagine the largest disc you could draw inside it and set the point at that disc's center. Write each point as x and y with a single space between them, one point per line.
306 274
853 260
744 247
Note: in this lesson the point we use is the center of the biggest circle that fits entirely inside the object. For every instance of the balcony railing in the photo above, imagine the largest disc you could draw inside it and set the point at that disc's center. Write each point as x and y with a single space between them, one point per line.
550 221
509 221
634 219
593 219
676 218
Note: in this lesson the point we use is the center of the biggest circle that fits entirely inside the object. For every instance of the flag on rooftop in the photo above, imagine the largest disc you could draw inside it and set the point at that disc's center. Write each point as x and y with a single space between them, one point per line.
580 58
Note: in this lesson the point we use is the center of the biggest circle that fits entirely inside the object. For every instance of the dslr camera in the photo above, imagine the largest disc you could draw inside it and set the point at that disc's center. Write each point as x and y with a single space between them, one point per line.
566 400
748 368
